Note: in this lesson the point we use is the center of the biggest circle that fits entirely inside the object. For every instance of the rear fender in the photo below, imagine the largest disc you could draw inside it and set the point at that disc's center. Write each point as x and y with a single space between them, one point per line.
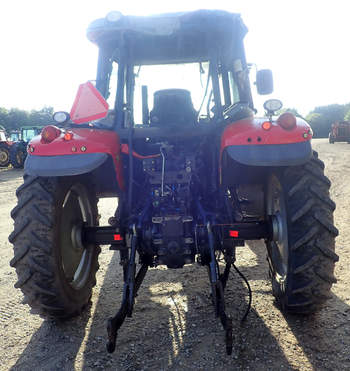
247 143
86 151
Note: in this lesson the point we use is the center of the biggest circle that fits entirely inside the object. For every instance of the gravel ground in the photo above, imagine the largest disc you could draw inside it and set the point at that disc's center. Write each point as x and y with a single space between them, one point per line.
173 326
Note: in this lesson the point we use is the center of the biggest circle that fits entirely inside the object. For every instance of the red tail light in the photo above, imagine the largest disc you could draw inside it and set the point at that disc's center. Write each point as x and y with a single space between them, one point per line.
287 121
266 125
68 136
234 233
118 237
49 133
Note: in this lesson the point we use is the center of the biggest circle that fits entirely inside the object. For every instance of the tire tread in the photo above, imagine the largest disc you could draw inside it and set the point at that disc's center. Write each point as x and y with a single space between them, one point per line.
34 256
311 238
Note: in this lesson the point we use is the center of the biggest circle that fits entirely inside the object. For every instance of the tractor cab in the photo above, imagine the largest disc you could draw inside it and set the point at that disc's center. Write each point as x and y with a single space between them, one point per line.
29 132
174 70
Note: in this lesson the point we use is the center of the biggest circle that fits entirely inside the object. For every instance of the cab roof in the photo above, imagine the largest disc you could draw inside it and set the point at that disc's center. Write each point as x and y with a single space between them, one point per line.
170 38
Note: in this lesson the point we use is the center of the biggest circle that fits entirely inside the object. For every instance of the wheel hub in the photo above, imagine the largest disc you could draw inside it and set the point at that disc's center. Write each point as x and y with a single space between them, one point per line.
278 244
76 236
76 257
277 227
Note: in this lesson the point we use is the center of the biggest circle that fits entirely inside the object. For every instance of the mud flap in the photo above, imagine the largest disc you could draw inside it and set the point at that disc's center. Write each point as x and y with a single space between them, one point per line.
63 165
271 154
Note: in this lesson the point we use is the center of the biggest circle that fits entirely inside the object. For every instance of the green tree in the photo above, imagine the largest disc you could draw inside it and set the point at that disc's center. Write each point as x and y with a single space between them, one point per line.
4 117
347 116
41 118
315 121
322 117
14 118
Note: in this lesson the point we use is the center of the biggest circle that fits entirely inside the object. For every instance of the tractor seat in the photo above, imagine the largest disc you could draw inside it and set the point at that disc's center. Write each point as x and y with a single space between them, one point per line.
173 107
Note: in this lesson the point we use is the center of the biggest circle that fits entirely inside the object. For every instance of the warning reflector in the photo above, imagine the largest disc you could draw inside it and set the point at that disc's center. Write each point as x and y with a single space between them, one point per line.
88 105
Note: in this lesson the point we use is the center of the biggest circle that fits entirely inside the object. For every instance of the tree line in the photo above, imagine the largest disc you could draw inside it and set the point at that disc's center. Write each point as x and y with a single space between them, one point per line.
320 119
13 119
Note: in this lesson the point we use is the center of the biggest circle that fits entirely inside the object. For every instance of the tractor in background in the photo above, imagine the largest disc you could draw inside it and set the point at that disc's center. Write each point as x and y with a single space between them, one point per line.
340 132
18 151
5 146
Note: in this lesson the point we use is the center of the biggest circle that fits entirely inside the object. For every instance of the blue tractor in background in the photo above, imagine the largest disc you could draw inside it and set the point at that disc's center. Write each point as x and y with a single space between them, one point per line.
18 151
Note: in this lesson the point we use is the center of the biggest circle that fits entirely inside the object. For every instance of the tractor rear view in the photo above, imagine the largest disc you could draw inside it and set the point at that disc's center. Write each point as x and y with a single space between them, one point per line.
340 132
170 131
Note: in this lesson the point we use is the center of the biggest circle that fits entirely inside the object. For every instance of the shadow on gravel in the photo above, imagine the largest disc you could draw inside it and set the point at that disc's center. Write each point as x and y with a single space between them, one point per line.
54 346
174 327
323 337
7 174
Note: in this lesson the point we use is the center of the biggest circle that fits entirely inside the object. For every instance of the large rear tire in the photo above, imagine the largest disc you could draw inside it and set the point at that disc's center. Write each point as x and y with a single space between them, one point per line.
301 255
55 273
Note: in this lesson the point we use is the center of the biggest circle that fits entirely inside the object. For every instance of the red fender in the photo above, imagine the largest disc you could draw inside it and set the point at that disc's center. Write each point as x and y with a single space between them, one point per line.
260 142
250 132
82 141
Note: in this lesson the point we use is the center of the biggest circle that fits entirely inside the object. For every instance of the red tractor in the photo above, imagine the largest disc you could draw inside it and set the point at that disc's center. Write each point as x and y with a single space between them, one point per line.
195 176
340 132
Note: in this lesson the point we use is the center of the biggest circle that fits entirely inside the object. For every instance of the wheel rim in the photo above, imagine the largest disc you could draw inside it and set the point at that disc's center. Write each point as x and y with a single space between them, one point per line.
76 258
4 157
276 210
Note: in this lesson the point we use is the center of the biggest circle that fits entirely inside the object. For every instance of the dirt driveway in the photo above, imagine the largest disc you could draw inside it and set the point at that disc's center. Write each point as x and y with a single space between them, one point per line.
173 326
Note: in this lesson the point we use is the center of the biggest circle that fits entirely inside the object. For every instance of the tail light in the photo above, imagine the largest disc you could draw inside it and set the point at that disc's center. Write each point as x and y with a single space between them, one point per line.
118 237
287 121
50 133
68 135
234 234
266 125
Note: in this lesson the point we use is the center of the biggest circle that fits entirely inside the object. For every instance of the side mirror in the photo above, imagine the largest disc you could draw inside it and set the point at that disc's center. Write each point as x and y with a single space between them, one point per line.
264 82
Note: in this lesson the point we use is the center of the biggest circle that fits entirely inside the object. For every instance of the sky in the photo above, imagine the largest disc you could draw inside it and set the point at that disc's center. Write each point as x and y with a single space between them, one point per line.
45 54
